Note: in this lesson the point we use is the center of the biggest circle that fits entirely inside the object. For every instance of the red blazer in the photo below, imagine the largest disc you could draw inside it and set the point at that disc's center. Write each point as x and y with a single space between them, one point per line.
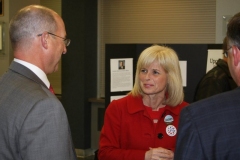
128 130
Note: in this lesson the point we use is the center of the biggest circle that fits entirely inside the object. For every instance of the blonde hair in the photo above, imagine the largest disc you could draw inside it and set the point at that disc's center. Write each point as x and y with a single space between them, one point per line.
168 60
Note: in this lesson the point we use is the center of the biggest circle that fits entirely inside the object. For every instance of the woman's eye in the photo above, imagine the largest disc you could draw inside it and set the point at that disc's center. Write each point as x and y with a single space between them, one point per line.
155 72
143 70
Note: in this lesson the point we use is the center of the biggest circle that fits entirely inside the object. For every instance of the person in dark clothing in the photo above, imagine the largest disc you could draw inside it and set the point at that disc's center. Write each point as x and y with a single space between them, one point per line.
209 129
217 80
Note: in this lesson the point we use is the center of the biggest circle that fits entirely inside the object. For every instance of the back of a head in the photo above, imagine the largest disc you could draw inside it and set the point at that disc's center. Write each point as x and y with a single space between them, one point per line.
225 48
28 23
233 30
225 44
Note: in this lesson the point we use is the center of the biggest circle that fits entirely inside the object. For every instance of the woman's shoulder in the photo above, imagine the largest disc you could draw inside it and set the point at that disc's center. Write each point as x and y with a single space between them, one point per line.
125 102
183 104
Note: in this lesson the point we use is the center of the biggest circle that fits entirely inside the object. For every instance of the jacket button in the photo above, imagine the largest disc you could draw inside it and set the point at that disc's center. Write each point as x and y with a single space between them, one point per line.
160 135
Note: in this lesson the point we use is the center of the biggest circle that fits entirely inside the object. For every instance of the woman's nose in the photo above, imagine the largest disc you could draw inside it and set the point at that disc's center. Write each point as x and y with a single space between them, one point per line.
147 76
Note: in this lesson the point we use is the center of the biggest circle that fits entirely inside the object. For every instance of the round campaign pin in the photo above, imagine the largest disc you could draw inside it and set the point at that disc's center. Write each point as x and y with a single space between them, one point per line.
171 130
168 119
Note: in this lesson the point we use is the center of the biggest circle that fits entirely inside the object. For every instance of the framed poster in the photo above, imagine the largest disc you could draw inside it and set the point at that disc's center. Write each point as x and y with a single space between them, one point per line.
1 7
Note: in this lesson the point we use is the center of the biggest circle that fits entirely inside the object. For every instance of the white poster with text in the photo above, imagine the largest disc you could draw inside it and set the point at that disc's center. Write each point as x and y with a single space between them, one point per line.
121 74
212 58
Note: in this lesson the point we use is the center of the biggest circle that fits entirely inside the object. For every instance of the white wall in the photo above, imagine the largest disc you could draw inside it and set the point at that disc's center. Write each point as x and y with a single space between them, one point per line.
224 8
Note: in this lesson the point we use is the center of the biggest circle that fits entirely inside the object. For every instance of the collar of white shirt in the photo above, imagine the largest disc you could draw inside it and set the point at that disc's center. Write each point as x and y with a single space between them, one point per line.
36 70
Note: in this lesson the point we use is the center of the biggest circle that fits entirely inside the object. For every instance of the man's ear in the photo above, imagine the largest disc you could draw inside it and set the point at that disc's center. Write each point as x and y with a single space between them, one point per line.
236 55
44 39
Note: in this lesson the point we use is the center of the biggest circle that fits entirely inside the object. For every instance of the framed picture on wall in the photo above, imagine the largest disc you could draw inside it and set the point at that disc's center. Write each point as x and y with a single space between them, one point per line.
1 7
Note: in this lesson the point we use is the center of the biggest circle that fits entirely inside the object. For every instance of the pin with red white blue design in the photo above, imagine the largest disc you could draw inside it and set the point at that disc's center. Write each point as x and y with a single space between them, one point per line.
171 130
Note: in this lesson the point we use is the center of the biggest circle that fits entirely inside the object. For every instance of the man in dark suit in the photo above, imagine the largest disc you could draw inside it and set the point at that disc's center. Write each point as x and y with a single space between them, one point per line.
209 129
33 122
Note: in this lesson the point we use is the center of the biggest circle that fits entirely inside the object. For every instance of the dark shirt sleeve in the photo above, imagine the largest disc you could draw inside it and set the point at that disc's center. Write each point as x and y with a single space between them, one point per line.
215 81
208 87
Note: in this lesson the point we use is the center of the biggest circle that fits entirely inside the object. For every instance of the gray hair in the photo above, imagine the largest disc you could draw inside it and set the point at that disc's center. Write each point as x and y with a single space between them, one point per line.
233 30
29 22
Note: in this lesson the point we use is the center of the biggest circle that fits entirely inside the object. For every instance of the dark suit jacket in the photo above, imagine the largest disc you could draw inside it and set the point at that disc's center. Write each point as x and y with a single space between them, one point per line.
210 129
33 122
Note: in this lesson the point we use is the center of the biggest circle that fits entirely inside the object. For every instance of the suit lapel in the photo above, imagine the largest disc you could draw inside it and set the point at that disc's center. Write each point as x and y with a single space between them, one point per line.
24 71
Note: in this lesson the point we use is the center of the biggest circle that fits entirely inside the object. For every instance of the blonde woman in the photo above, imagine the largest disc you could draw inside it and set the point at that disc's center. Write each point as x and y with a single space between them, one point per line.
143 125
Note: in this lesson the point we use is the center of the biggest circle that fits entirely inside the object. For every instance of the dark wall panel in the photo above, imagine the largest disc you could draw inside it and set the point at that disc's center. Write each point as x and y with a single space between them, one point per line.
79 67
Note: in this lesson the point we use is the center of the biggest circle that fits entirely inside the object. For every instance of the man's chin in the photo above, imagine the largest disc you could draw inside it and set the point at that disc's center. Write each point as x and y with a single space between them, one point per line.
54 70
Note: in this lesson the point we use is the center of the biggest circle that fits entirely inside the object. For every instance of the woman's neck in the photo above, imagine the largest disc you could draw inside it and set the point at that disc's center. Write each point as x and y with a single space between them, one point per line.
154 101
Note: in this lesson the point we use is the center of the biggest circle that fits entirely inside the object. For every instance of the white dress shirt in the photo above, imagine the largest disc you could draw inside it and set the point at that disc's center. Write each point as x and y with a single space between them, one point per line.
36 70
